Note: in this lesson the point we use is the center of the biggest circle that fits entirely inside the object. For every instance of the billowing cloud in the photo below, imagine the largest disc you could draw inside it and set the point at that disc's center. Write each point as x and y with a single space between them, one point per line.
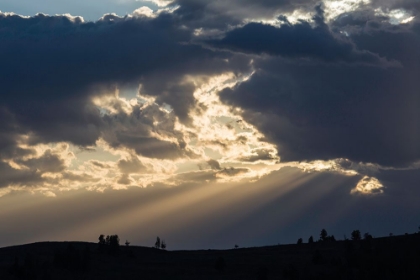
214 164
298 41
221 14
133 165
318 111
208 90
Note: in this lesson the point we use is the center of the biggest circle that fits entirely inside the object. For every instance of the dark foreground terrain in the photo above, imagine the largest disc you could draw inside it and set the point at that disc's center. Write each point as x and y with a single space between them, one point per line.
396 257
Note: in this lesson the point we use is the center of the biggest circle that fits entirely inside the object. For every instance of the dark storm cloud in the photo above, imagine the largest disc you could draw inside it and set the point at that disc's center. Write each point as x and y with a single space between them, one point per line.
350 107
49 63
53 66
300 40
410 5
323 111
221 14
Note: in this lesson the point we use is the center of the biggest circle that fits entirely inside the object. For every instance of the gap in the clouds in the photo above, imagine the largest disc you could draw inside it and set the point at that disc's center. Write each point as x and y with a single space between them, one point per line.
90 10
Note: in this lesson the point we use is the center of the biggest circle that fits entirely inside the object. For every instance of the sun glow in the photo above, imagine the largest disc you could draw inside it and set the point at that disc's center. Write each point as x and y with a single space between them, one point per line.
368 185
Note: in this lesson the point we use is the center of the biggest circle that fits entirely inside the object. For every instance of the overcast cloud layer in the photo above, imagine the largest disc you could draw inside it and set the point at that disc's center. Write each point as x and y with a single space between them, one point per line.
214 92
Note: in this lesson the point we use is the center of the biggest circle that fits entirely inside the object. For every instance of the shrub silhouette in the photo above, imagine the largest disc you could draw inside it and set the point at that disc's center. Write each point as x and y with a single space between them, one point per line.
114 244
311 239
300 241
157 243
355 235
367 236
323 235
111 242
102 243
163 245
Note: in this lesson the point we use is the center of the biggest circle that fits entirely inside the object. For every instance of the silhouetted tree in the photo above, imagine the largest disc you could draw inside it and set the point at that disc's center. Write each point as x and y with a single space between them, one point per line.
236 246
157 243
355 235
101 242
163 245
367 236
311 239
300 241
114 244
127 243
323 235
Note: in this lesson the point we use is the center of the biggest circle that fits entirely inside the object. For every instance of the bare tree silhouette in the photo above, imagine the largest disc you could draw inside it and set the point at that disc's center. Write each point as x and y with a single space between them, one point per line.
157 243
356 235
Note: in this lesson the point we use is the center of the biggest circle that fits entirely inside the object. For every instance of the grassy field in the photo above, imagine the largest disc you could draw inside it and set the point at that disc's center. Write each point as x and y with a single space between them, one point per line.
396 257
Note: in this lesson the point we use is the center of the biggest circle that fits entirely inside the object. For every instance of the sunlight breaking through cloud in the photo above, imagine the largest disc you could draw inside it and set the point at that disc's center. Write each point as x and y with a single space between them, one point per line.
397 16
368 186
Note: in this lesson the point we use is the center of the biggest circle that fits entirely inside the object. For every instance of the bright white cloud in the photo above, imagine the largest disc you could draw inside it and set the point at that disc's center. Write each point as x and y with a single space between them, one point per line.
397 16
144 11
368 186
159 3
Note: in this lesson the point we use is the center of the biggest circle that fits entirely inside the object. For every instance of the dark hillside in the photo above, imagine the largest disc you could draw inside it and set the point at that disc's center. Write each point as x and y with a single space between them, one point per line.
396 257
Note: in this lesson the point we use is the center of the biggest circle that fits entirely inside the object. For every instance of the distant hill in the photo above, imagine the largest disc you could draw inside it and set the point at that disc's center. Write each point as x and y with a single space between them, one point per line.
396 257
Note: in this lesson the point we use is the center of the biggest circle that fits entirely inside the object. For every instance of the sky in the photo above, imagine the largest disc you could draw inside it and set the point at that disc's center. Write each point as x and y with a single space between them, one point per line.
208 123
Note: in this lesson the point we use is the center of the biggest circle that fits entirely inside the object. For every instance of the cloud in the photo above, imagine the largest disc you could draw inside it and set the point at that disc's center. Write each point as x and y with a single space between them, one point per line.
55 66
314 110
397 4
222 14
48 162
133 165
62 59
231 171
258 155
214 164
15 177
368 185
147 88
159 3
298 41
